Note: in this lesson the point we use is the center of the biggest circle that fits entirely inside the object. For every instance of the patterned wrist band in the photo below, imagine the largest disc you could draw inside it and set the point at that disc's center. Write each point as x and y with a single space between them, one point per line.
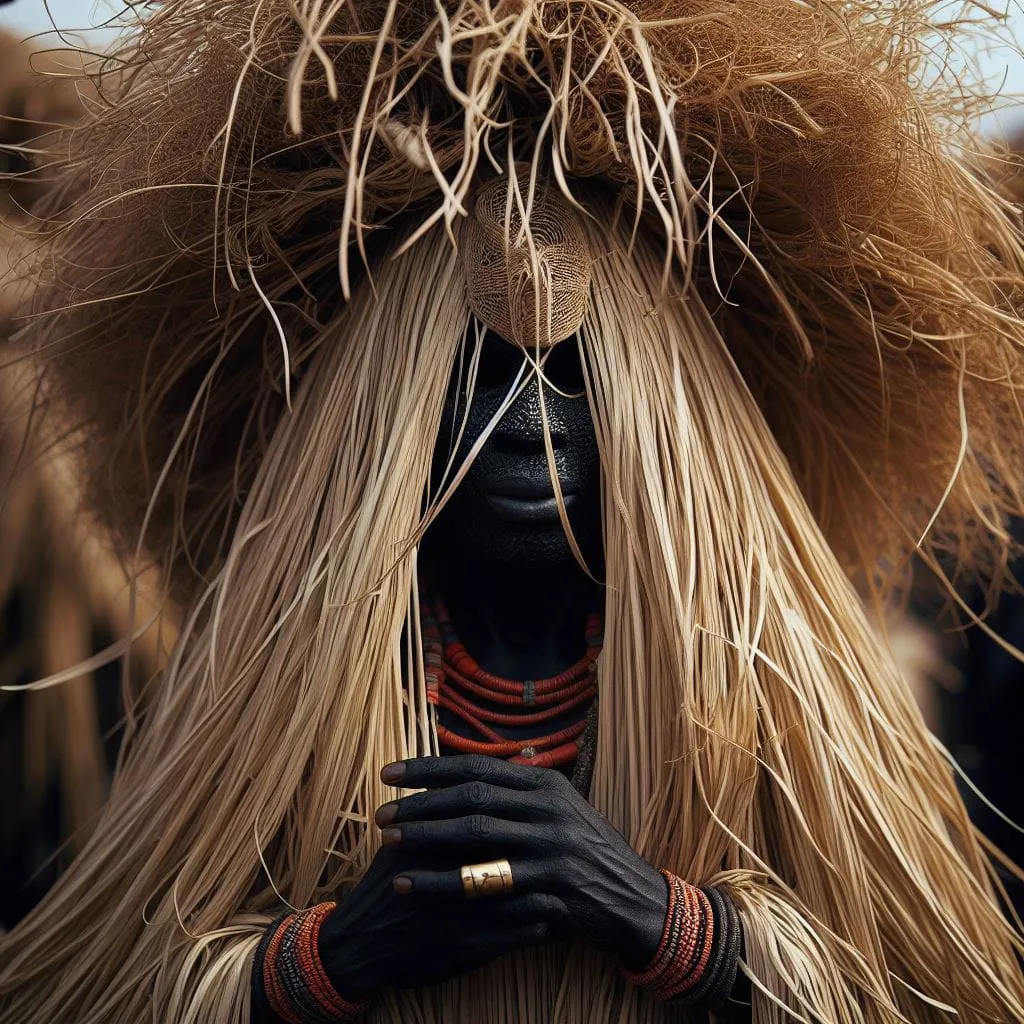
695 963
295 984
716 986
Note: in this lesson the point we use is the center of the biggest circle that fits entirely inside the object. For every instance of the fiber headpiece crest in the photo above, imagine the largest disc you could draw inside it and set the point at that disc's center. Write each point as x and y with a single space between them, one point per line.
529 283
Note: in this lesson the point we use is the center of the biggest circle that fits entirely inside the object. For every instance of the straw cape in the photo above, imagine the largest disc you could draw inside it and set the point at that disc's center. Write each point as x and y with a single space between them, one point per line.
803 358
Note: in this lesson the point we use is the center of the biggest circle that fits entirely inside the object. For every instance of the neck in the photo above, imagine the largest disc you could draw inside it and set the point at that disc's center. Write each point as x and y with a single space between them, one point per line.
519 621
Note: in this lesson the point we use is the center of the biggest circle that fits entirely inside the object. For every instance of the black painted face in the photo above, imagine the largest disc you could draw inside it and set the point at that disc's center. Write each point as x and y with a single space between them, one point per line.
504 510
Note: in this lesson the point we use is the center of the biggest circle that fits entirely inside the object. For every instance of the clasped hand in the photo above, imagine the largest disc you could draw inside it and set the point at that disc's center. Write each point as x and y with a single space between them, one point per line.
408 922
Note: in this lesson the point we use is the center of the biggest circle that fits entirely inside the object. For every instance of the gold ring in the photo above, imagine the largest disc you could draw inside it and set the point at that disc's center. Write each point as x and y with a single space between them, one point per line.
490 879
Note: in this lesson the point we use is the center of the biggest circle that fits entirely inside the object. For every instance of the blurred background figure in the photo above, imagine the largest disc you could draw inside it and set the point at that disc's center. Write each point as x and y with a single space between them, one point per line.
63 597
964 660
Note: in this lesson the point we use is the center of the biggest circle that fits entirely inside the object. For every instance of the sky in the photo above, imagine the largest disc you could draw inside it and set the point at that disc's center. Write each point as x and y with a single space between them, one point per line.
25 17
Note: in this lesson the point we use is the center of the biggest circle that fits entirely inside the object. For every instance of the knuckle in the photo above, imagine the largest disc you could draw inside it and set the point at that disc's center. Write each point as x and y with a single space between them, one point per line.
538 777
537 903
477 766
479 826
477 794
550 780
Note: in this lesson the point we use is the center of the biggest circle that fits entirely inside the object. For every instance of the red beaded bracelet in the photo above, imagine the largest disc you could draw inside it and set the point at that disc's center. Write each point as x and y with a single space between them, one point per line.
686 942
294 980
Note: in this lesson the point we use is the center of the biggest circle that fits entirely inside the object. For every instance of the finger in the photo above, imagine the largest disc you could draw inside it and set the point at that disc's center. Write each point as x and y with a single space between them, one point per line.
536 906
537 934
467 798
533 876
520 936
454 769
473 831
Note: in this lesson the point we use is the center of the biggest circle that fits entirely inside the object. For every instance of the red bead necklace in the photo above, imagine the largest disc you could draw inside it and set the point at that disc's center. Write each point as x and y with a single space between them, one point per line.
454 680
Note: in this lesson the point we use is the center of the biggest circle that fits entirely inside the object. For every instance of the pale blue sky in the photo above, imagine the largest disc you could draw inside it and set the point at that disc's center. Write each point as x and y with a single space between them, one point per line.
29 16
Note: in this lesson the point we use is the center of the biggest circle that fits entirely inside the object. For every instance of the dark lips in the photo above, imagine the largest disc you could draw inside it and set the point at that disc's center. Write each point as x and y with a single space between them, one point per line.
526 501
528 510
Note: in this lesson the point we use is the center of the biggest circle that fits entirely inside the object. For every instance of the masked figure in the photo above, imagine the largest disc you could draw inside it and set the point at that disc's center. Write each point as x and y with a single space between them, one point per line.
523 384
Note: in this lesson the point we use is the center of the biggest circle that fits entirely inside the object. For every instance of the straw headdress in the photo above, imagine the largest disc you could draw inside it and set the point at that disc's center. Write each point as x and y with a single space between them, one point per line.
799 315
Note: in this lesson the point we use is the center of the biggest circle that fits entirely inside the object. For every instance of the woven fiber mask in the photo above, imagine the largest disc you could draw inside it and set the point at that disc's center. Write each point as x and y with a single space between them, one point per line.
529 284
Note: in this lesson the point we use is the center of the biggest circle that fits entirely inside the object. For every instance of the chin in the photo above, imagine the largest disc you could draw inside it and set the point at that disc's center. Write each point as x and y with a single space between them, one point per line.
471 527
507 544
529 552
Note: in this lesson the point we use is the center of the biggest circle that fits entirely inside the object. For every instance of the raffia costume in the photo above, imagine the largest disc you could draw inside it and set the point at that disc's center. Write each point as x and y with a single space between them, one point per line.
803 353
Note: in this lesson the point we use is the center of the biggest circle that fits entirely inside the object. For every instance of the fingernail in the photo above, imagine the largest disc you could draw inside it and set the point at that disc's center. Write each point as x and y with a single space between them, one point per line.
391 836
386 814
393 772
403 885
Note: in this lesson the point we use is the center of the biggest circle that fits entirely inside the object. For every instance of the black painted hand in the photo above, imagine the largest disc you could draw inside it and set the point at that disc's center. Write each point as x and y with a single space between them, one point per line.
378 938
561 849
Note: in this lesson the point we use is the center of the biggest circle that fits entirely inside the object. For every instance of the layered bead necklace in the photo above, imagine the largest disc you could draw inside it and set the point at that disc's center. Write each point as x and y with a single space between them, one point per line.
457 683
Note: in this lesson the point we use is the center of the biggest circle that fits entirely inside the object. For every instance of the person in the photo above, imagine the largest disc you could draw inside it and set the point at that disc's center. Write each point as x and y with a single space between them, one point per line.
330 278
512 593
